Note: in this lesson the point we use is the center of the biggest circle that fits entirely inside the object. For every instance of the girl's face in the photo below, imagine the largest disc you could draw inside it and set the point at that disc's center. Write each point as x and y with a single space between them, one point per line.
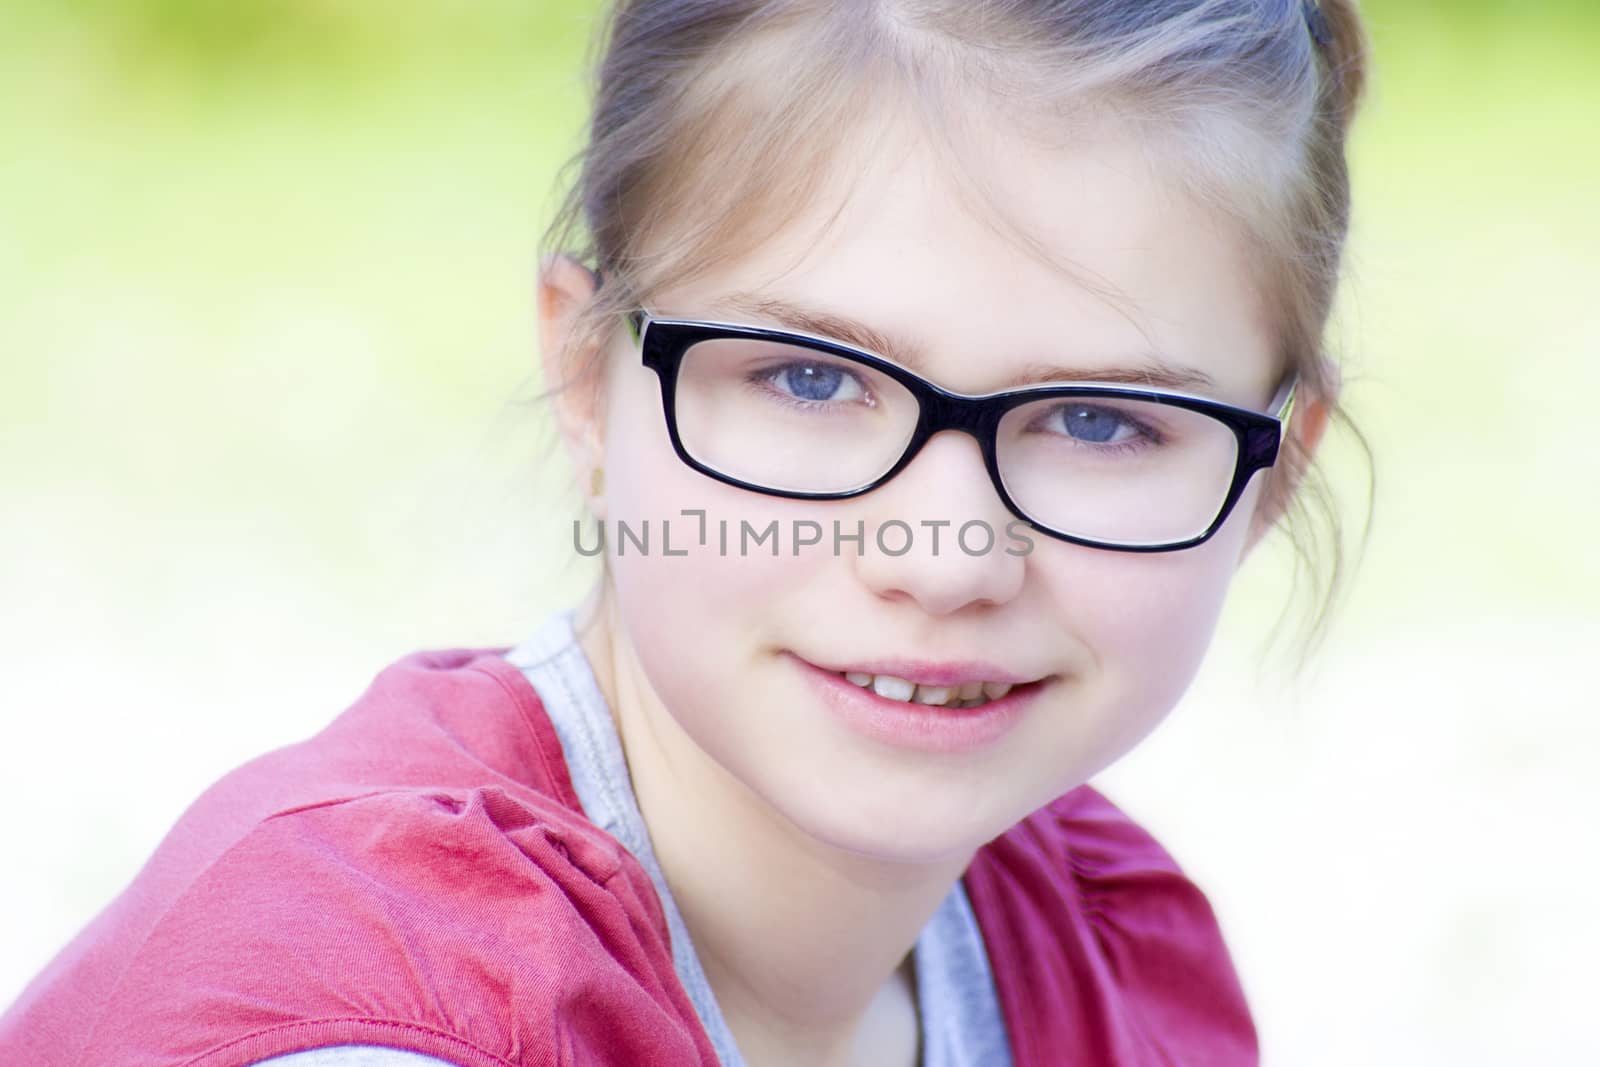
736 654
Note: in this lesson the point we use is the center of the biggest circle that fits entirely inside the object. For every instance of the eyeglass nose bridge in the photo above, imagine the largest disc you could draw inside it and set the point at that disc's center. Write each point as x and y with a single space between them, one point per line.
977 417
942 410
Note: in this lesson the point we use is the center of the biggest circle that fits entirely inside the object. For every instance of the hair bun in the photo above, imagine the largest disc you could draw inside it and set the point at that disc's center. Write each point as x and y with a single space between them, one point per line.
1344 44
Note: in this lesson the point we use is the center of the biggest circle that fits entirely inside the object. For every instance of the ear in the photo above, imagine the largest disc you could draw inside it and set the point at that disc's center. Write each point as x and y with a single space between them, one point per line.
1302 437
574 368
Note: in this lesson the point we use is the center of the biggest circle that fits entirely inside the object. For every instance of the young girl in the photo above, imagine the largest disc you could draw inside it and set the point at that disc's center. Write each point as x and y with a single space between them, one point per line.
931 367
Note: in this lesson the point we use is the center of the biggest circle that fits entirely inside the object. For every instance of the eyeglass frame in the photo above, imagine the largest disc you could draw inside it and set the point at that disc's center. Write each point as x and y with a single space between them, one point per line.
663 342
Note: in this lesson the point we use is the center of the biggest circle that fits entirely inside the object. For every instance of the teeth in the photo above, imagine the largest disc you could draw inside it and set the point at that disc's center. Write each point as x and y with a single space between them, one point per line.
969 695
893 688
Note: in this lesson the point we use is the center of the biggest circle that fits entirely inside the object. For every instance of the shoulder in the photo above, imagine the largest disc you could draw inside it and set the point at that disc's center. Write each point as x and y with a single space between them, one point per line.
1084 910
472 925
454 715
1093 854
1100 843
451 719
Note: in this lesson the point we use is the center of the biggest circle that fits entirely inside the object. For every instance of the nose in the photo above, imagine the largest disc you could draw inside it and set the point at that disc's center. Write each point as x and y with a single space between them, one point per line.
936 535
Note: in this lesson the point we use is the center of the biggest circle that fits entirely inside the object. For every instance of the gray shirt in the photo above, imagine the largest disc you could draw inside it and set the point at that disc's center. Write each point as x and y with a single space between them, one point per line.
959 1011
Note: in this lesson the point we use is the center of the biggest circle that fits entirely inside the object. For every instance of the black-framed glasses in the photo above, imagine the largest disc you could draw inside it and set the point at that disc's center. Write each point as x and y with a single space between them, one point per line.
1112 466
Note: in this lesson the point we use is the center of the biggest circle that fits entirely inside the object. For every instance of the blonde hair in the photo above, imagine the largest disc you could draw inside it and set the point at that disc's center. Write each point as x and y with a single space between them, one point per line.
716 121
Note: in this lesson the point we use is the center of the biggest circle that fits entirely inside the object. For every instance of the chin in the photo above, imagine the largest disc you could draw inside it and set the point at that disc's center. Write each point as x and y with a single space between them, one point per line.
887 844
916 827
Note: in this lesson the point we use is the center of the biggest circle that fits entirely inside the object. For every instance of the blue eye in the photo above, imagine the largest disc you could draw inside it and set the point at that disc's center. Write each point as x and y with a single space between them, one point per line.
1096 425
816 383
811 382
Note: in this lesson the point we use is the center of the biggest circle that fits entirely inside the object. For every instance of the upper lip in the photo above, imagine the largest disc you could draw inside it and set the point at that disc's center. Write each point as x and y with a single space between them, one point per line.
945 673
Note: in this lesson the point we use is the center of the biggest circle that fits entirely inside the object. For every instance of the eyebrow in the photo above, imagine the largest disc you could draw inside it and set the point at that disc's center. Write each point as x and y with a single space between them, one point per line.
1152 371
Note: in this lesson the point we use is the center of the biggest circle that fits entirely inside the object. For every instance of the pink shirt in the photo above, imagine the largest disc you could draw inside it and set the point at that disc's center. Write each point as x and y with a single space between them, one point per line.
420 875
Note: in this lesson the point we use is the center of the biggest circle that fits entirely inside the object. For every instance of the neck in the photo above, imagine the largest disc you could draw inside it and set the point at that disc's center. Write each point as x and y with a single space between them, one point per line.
806 946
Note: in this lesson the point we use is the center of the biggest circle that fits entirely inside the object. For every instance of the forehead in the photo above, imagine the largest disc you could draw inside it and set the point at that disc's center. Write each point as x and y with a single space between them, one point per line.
1079 255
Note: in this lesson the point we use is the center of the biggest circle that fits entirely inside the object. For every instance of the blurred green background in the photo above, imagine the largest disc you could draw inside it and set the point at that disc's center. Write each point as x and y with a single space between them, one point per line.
266 307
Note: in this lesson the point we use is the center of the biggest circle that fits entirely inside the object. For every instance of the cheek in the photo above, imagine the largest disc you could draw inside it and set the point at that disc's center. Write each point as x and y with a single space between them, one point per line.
1157 612
698 548
667 580
1151 614
699 616
1144 622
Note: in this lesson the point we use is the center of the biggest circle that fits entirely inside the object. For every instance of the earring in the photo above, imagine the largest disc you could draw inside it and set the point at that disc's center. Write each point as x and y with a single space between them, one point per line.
596 481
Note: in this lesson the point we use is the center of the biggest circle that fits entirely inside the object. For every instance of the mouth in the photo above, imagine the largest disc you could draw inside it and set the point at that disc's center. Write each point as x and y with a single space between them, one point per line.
941 708
970 694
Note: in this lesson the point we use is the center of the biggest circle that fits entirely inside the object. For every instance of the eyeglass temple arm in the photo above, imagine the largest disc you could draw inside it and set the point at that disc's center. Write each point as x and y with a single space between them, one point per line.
1282 406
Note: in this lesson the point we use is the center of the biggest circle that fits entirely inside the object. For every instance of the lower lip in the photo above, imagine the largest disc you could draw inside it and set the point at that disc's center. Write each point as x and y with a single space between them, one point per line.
926 727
